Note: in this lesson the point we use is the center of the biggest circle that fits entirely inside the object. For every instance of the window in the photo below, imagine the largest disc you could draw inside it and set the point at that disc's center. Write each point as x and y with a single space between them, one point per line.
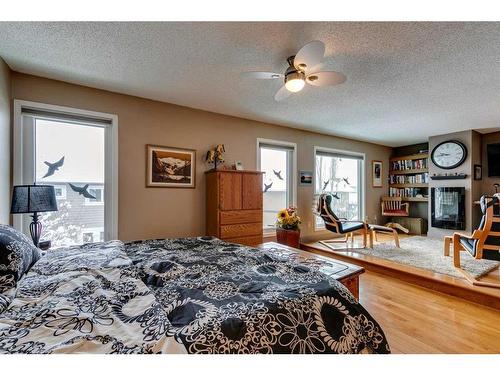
92 235
76 154
340 173
88 237
60 191
277 161
98 193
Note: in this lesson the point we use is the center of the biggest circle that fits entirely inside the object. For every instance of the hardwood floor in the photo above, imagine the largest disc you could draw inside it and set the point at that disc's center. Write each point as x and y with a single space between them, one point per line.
419 320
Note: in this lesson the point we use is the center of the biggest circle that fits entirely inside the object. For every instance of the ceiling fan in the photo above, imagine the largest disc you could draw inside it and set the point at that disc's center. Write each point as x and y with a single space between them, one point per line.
303 68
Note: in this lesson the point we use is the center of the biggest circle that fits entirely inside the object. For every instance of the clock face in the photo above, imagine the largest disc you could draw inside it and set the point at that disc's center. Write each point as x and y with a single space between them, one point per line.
449 154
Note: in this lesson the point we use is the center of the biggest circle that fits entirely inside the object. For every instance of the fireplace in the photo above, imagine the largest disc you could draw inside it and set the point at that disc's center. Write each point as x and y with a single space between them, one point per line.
448 207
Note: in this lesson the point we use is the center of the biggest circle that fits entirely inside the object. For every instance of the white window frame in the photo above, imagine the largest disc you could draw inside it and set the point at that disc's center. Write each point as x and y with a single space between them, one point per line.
362 177
293 175
110 159
92 202
63 192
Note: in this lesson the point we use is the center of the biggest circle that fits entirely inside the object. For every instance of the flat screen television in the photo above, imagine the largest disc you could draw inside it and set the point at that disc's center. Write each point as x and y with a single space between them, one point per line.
493 151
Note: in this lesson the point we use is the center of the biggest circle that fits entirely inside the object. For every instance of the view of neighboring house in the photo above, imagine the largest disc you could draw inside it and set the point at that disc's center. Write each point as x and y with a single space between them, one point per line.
79 219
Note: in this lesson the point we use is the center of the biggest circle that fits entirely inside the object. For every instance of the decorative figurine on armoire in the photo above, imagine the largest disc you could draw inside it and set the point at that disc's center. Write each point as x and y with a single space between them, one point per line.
216 156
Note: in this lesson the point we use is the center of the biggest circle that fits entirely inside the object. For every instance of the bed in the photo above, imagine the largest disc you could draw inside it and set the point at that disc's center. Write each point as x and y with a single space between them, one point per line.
185 295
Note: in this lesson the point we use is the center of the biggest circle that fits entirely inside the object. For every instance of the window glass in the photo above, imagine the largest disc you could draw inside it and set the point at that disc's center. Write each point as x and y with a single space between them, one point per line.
340 175
88 237
71 157
276 162
97 193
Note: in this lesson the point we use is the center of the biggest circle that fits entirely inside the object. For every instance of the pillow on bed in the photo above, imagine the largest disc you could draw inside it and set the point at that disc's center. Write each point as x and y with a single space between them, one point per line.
17 255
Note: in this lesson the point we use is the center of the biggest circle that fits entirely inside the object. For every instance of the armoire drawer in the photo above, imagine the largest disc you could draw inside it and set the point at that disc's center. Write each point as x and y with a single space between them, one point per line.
240 217
240 230
247 241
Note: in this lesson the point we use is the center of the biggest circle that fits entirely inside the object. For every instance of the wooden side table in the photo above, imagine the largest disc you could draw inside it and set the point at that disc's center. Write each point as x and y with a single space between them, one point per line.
347 273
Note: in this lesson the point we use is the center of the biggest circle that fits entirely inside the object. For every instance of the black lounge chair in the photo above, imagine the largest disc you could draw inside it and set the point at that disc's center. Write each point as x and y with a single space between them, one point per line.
484 243
339 226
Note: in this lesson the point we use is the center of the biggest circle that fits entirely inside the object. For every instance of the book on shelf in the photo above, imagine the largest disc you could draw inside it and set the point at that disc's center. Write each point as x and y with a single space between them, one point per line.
405 192
422 178
402 165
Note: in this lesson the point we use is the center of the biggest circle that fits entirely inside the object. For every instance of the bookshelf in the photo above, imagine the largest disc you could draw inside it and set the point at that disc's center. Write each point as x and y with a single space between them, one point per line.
409 177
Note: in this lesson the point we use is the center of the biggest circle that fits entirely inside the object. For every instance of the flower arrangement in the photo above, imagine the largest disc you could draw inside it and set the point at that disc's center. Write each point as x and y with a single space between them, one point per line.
288 219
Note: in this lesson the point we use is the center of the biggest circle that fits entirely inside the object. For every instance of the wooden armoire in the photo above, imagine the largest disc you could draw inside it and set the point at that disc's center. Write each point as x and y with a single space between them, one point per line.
234 206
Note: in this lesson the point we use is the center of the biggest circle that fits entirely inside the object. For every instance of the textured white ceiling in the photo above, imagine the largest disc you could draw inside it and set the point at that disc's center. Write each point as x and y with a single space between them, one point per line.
405 81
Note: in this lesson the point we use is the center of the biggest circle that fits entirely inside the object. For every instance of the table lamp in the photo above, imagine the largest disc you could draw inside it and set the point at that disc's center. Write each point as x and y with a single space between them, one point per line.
33 199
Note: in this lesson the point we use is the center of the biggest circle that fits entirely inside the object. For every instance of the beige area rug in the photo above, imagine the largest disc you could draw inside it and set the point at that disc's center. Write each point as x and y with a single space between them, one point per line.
427 253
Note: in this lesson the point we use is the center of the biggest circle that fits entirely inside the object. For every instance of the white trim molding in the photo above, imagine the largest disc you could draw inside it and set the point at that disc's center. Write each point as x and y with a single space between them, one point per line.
111 155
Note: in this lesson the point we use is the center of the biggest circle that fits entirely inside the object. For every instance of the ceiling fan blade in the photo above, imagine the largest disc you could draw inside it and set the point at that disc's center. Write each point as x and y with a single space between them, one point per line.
282 94
262 75
325 78
310 55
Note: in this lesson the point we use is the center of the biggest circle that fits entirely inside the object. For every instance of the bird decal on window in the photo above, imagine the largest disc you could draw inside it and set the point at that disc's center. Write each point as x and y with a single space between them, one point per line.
82 191
346 180
278 174
336 196
325 184
267 187
53 167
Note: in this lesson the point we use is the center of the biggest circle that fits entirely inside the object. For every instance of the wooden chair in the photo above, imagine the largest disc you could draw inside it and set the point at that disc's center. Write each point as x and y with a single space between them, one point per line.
394 206
484 243
339 225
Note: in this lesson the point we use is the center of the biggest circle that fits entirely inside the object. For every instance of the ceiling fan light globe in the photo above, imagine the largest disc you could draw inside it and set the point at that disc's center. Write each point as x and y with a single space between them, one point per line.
294 80
295 85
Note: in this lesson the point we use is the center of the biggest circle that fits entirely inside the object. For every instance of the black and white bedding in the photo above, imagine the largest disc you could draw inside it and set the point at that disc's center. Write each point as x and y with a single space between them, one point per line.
186 295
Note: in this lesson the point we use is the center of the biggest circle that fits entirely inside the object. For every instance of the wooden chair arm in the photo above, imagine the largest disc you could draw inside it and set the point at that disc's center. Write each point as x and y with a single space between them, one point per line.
474 236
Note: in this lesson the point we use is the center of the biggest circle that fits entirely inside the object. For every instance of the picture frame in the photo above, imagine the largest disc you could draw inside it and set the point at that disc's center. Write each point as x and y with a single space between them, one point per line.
170 167
306 178
478 172
377 172
238 165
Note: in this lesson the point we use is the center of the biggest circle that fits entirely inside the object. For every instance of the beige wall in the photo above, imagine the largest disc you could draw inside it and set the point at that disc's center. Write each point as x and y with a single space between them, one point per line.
5 136
155 212
487 182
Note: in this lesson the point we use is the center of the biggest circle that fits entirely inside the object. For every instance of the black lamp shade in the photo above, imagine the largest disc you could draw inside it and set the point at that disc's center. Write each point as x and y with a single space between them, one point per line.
33 198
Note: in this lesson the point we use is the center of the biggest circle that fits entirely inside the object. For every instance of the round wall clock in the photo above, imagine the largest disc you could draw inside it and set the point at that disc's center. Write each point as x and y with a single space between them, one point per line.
449 154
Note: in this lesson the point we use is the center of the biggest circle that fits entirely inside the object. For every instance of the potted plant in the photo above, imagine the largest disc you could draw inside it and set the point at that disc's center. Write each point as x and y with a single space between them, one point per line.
287 227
